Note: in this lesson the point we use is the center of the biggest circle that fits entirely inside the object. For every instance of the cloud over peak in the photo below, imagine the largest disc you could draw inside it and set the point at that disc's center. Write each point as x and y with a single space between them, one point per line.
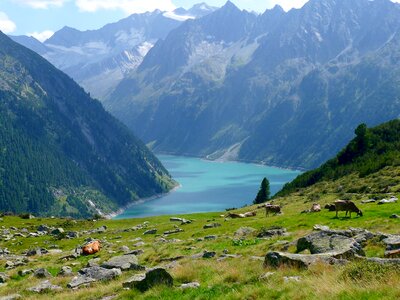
6 25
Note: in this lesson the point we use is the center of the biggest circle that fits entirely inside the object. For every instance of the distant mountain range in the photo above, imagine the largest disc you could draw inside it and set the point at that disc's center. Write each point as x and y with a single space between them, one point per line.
61 152
99 59
281 88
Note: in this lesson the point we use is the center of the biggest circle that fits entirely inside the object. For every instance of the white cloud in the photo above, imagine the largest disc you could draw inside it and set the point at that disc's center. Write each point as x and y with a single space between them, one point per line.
6 25
41 36
129 6
42 4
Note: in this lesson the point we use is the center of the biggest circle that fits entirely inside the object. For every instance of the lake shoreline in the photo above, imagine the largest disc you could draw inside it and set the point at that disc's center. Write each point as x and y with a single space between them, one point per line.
121 210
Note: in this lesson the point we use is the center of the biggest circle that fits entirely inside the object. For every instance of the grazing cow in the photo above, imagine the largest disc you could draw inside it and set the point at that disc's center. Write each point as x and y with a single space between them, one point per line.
276 209
91 248
347 206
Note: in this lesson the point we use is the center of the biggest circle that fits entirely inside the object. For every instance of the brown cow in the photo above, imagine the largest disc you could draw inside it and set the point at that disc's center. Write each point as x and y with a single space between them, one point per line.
91 248
347 206
276 209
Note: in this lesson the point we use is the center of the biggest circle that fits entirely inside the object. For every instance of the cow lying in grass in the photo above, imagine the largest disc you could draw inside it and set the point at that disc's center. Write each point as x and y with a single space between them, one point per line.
276 209
347 206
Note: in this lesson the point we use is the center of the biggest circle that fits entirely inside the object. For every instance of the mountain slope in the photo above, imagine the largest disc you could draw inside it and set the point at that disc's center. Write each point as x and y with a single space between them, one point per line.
282 88
61 153
372 150
99 59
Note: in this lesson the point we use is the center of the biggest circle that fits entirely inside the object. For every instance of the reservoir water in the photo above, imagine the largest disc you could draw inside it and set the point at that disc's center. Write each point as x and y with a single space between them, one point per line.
209 186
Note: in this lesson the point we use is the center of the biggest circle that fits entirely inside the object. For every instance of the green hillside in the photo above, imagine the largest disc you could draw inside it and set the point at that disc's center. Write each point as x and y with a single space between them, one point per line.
372 150
60 152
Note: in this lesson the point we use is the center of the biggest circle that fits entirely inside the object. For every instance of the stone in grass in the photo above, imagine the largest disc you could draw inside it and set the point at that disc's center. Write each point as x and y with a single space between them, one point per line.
41 273
153 277
25 272
3 277
11 297
65 271
288 279
89 275
244 232
212 225
190 285
151 231
45 286
123 262
209 254
394 216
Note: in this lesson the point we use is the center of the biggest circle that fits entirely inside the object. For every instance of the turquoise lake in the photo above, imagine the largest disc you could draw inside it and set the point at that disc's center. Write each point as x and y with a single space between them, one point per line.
208 186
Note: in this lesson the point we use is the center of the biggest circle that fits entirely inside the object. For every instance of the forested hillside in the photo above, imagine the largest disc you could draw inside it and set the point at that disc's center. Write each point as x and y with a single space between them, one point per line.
61 153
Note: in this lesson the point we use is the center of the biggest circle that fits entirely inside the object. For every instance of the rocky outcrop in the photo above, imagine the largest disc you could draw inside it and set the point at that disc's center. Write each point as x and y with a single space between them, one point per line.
337 246
45 286
302 261
93 274
145 281
123 262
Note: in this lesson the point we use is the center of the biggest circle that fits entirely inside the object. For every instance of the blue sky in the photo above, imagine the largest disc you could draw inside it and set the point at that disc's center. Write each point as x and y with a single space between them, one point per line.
41 18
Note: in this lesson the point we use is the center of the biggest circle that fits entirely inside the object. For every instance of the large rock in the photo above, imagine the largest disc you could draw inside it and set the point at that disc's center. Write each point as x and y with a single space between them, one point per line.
123 262
151 278
3 277
41 273
244 232
44 287
65 271
338 246
392 242
93 274
99 273
271 232
303 261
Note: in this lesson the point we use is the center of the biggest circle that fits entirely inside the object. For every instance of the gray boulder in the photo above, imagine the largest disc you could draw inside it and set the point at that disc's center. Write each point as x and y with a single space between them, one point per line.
153 277
3 277
80 281
11 297
99 273
337 246
190 285
392 242
177 230
57 231
151 231
65 271
271 232
42 273
244 232
45 286
123 262
302 261
212 225
209 254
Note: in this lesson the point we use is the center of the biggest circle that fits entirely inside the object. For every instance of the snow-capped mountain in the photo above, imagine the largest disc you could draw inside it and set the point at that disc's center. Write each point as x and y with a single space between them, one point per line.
99 59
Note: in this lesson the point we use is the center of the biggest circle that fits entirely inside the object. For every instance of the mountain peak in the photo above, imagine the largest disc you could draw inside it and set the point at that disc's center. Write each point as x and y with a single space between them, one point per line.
229 5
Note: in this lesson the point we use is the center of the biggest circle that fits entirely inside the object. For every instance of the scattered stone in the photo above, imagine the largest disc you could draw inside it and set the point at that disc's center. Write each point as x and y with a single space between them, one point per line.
173 231
384 261
209 254
43 228
210 237
368 201
123 262
392 254
57 231
172 259
140 244
392 242
3 277
303 261
100 273
271 232
388 201
267 275
394 216
80 281
9 265
124 249
336 245
244 232
37 251
25 272
291 279
151 278
320 228
11 297
136 252
65 271
72 234
45 286
212 225
190 285
151 231
101 229
42 273
93 262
